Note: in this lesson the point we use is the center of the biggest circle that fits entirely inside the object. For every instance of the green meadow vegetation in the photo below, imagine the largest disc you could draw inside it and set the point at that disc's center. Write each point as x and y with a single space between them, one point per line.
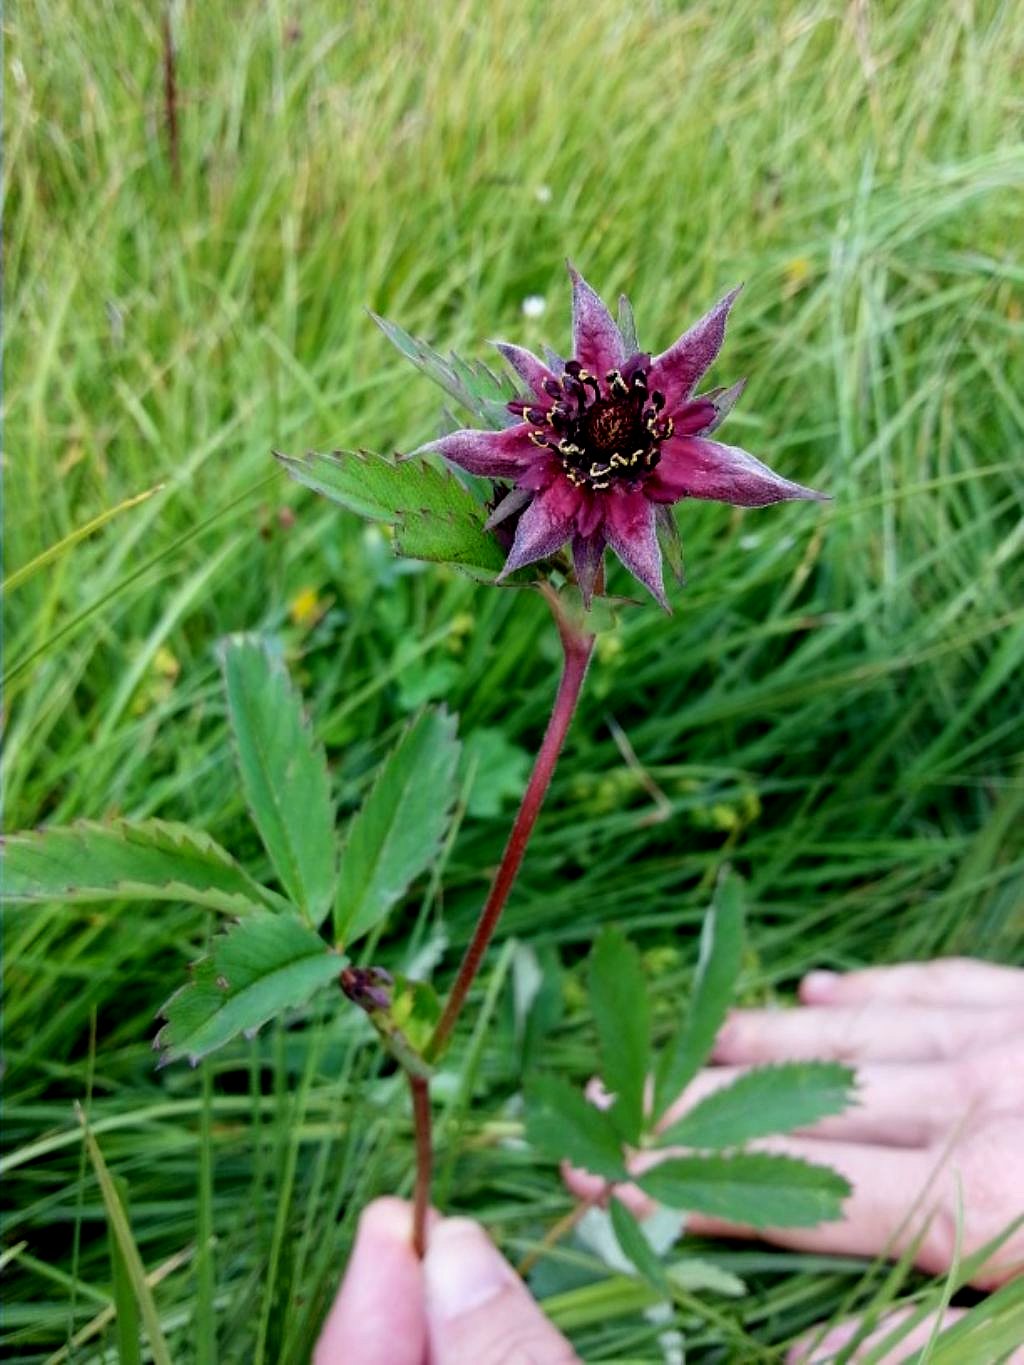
834 708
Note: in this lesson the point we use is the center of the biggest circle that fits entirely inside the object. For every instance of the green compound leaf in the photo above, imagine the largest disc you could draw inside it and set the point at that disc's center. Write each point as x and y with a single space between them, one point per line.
383 489
565 1126
397 832
755 1189
769 1099
618 1002
473 385
457 540
262 966
283 771
435 517
721 947
636 1248
126 860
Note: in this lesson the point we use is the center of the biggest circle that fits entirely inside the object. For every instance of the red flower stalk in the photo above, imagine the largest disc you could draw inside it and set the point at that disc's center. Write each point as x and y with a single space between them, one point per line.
605 442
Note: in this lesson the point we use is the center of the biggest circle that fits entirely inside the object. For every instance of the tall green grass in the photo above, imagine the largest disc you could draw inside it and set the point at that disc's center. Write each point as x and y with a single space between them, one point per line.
835 704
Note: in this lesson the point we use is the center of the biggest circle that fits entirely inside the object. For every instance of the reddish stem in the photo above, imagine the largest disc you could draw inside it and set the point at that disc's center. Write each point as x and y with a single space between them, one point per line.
578 648
424 1161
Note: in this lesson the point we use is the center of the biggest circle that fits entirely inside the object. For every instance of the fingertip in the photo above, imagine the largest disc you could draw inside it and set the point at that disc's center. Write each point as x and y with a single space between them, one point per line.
819 987
597 1093
581 1182
388 1218
478 1309
377 1316
463 1269
817 1347
728 1045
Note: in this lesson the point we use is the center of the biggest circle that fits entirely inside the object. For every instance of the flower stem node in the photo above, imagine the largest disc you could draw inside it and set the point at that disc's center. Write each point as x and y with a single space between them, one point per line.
403 1012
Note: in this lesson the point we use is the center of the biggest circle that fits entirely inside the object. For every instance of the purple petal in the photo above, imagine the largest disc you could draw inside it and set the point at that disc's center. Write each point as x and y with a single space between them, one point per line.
629 526
587 557
530 370
545 526
492 454
596 339
692 467
694 417
677 371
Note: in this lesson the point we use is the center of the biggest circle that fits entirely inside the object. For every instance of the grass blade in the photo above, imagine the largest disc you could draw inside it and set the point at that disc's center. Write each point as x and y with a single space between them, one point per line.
122 1233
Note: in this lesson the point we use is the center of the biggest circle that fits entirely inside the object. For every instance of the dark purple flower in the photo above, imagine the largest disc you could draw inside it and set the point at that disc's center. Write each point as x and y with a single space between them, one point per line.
606 441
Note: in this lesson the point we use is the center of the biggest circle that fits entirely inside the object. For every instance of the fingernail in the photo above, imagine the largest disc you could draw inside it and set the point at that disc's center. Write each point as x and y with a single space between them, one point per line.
820 985
463 1269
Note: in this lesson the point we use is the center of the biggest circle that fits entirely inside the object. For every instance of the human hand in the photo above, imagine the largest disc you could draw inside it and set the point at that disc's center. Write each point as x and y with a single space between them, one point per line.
939 1053
462 1303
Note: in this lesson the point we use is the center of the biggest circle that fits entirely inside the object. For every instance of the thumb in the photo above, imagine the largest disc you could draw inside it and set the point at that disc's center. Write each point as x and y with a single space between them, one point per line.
478 1309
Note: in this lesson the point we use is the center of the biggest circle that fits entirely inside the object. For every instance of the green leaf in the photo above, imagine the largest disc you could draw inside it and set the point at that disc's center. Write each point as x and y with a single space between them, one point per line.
618 1001
718 966
436 518
697 1276
398 830
635 1246
383 489
769 1099
457 540
284 773
473 385
262 966
126 860
565 1126
755 1189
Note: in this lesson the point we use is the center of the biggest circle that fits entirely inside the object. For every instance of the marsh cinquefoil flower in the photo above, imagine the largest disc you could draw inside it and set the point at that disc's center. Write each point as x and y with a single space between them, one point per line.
605 442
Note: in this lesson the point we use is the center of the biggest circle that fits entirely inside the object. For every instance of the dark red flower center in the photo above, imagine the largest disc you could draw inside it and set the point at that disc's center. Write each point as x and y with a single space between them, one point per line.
601 433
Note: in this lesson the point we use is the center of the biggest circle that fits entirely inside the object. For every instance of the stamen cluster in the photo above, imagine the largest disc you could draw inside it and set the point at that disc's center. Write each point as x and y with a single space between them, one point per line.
600 433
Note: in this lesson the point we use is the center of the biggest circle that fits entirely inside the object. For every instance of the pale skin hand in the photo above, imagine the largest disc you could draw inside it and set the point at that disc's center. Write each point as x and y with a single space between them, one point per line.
939 1053
939 1050
462 1304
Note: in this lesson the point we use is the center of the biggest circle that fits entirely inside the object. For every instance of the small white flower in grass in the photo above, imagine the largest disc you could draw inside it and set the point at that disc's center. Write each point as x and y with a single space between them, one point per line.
542 194
534 306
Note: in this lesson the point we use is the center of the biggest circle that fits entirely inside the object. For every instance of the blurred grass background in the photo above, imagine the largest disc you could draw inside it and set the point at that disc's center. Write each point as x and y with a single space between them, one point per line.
835 704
